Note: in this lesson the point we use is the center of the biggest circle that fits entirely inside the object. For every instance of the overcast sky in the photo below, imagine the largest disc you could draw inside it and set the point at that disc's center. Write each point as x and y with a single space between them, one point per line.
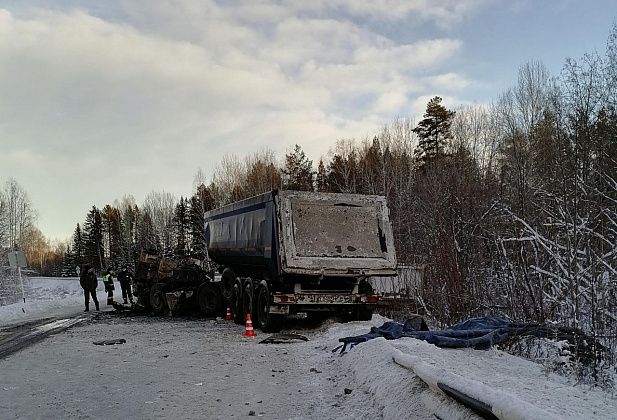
99 99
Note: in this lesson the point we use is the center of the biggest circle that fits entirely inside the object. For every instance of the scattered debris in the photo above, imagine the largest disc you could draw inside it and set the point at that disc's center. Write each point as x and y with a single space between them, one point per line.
109 342
347 391
283 338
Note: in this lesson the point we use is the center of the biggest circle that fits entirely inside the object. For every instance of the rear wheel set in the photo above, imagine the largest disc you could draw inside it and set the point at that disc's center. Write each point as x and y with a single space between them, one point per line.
254 298
269 323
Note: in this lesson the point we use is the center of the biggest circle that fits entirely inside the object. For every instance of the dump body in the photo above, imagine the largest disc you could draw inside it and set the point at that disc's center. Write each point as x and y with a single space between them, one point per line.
286 233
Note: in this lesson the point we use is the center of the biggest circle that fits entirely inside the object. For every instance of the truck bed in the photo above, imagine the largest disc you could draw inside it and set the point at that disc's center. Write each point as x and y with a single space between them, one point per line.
304 233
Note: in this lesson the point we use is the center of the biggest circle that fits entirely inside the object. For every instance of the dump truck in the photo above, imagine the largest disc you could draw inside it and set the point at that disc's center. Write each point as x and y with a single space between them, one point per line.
288 252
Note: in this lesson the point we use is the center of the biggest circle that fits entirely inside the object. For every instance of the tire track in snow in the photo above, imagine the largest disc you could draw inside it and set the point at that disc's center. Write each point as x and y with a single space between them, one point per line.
19 336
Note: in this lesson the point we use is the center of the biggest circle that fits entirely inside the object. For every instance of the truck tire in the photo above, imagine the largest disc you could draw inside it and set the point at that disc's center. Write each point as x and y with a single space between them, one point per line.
157 299
209 299
236 303
228 278
142 293
268 322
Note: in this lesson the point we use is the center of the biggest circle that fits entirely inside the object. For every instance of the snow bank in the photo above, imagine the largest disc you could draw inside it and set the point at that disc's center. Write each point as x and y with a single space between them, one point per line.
518 388
395 390
46 297
502 404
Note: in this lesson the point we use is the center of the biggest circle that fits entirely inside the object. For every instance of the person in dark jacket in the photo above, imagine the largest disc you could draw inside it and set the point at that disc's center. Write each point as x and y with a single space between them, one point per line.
88 282
125 277
108 281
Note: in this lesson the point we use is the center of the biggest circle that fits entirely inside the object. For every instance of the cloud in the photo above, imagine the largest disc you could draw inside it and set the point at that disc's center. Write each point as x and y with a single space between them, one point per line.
112 106
445 12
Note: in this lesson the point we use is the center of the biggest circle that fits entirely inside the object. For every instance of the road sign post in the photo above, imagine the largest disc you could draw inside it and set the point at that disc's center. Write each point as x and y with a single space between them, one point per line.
17 259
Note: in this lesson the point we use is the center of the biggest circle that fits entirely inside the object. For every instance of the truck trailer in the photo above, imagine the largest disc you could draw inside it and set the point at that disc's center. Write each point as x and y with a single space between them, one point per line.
287 252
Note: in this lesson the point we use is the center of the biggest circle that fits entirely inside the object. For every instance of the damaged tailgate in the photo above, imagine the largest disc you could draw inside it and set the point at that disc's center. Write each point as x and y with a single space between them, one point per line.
335 234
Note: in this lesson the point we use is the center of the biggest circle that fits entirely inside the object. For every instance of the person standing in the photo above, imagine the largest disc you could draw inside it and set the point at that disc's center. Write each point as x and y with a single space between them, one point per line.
108 281
125 277
88 282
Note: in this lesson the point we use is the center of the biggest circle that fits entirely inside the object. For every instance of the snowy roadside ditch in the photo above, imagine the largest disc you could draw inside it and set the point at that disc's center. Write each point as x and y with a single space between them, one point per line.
512 387
45 297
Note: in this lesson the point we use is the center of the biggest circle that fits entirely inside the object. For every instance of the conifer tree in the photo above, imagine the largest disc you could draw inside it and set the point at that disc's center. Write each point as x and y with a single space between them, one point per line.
298 171
342 174
321 179
181 228
433 131
68 263
196 228
78 246
93 243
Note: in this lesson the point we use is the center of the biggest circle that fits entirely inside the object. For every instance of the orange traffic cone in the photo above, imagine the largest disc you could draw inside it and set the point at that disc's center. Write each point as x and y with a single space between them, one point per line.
228 315
248 331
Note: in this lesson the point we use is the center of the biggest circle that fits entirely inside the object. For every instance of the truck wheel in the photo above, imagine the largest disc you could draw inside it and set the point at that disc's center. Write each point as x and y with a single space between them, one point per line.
268 322
142 294
209 299
236 303
247 299
228 278
157 299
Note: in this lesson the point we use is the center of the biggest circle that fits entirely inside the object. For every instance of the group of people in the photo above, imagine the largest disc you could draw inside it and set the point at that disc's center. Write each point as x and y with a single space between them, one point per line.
89 283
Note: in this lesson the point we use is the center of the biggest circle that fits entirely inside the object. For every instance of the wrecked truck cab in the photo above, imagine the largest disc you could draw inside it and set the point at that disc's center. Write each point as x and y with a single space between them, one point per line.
286 252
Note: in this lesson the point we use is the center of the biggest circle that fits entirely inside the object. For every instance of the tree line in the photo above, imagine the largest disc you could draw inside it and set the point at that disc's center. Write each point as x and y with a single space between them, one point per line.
18 230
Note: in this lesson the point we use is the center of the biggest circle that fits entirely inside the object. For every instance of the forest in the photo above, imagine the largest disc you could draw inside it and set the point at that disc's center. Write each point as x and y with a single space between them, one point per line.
510 208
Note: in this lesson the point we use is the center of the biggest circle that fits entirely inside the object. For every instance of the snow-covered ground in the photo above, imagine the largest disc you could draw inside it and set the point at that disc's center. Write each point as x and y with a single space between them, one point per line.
46 297
178 368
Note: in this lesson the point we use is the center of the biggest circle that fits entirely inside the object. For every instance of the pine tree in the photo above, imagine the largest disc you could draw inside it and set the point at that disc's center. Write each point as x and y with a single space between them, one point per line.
196 228
433 131
78 247
93 243
181 228
68 263
298 171
321 179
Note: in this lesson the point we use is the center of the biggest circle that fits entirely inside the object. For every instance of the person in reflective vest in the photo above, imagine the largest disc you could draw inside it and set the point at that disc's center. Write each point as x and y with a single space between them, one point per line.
108 281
